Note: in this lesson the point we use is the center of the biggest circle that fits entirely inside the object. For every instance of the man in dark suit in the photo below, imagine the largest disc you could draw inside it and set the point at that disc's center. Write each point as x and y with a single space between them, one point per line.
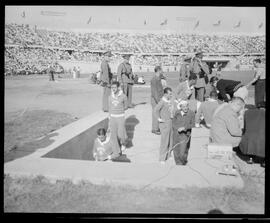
201 69
106 78
156 95
125 77
232 88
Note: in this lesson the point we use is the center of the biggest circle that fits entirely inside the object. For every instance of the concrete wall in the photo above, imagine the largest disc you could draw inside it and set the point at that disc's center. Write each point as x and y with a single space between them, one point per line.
87 68
79 147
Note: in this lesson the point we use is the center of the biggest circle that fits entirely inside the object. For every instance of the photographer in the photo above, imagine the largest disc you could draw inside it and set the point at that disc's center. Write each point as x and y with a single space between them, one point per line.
202 71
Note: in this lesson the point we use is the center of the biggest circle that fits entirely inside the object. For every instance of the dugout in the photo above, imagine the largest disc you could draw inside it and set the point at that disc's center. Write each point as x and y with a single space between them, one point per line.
220 60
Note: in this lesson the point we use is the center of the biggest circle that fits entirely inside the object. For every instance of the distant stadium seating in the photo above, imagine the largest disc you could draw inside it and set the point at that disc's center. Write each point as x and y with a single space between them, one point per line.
31 49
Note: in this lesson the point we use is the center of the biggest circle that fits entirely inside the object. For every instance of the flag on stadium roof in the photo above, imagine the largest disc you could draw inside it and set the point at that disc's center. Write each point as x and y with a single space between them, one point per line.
89 20
197 24
217 24
164 22
23 14
260 26
237 25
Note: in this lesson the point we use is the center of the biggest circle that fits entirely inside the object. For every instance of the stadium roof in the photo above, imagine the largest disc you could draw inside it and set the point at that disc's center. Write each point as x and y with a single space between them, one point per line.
234 20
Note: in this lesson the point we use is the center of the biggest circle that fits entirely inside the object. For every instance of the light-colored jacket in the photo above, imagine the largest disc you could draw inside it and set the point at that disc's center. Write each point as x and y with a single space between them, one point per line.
225 126
184 92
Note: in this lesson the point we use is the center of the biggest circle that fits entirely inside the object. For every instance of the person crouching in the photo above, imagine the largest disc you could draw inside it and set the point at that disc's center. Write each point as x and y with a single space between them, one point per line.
102 146
182 123
117 107
164 111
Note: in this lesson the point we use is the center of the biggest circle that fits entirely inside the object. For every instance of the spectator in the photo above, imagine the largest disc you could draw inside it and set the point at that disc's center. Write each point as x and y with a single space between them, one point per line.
184 70
202 71
259 82
156 95
226 127
164 113
106 78
207 109
182 124
229 88
185 90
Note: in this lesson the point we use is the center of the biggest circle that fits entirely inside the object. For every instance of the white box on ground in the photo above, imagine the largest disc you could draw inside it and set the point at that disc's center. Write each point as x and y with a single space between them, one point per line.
219 151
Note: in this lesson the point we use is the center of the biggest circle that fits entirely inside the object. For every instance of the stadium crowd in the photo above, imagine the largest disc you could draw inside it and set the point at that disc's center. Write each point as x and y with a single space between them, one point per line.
31 49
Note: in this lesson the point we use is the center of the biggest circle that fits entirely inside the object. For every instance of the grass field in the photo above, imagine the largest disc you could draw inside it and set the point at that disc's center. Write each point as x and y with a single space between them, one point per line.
34 107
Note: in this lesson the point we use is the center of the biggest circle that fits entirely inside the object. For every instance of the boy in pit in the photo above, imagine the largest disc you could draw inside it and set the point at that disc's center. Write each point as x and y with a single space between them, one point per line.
102 146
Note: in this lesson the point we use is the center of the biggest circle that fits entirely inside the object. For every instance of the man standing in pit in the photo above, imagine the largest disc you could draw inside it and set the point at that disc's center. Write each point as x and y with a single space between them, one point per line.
125 77
105 79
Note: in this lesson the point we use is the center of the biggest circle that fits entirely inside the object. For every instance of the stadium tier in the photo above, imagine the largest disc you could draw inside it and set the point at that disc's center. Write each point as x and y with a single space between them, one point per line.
31 49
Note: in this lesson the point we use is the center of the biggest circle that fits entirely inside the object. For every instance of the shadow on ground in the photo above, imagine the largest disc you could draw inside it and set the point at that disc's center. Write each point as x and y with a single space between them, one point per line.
245 157
131 122
28 148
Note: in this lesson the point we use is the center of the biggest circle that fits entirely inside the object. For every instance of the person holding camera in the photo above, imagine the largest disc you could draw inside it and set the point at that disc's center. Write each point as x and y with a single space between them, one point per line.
126 78
201 69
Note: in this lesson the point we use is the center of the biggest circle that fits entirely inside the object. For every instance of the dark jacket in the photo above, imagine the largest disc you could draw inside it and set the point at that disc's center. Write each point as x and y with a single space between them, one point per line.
156 89
105 72
226 87
253 139
187 121
125 74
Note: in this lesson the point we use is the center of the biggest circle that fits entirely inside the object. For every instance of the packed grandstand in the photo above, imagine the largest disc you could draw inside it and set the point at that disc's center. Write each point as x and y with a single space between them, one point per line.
29 50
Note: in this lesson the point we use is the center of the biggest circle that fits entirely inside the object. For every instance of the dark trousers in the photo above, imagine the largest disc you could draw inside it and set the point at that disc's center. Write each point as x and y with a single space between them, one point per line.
105 98
181 143
155 124
127 89
199 94
51 76
259 92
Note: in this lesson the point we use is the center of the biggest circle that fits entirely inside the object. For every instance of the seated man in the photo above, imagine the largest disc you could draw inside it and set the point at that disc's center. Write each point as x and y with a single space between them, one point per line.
226 127
182 124
207 109
230 87
253 139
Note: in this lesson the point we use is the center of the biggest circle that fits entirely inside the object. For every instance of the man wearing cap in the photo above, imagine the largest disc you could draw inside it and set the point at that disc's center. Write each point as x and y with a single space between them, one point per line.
184 70
126 78
201 69
105 79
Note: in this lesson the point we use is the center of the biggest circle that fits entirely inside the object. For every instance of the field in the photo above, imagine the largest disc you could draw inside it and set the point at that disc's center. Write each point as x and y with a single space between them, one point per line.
34 107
